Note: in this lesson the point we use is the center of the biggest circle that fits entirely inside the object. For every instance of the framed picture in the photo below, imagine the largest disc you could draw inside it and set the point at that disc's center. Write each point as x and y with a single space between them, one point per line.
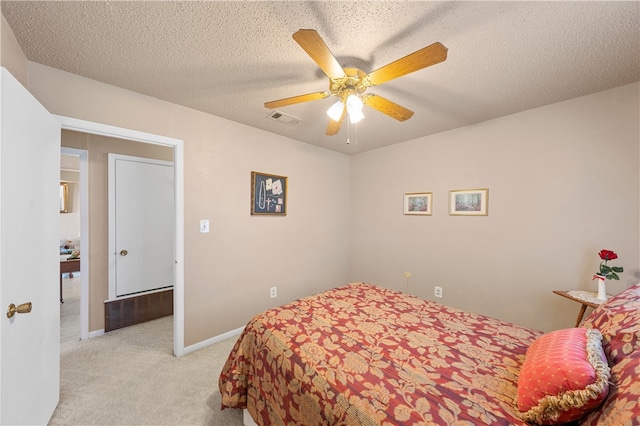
64 197
469 202
268 194
417 203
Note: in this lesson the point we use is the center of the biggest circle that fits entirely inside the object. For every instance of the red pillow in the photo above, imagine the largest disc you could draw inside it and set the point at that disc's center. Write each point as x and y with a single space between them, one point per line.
564 376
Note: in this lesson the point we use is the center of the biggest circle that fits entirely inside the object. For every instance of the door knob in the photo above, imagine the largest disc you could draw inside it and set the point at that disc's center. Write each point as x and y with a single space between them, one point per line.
24 308
123 252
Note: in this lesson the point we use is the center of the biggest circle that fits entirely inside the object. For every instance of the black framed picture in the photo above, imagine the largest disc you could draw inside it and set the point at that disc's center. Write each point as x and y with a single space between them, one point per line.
268 194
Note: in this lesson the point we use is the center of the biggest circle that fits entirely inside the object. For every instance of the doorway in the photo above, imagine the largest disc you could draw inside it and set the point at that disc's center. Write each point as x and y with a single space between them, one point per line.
93 128
74 321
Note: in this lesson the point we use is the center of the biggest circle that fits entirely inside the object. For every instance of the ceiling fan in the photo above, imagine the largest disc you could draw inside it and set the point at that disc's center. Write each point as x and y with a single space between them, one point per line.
349 84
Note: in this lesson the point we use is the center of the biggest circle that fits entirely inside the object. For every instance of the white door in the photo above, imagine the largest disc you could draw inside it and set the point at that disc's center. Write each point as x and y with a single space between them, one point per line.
142 224
29 256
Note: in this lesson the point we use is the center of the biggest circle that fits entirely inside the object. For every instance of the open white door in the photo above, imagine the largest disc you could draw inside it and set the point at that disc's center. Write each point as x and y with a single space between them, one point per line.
29 260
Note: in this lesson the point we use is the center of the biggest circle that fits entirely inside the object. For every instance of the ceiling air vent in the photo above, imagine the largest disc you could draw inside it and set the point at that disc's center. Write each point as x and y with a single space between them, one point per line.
281 117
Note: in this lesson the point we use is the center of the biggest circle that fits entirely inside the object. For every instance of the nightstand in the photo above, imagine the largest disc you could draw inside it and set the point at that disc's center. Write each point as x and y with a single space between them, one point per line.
586 298
69 265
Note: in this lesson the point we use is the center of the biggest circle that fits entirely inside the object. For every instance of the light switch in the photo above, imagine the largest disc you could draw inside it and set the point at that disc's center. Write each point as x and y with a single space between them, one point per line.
204 226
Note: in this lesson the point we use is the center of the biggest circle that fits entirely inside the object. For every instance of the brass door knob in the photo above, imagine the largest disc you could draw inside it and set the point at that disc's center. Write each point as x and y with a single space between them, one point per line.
123 252
24 308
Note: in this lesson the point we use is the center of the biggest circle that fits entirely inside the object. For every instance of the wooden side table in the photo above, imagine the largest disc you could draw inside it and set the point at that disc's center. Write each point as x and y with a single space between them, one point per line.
584 302
69 265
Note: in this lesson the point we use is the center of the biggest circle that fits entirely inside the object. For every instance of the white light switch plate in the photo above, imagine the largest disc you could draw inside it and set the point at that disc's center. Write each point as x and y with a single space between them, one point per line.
204 226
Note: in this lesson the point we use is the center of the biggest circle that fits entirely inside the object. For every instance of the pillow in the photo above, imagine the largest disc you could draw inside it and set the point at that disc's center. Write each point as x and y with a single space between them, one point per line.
564 376
627 301
619 322
622 406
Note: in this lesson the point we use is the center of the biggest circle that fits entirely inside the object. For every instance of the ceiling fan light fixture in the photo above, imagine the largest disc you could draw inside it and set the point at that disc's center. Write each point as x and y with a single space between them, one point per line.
354 108
355 116
354 104
335 112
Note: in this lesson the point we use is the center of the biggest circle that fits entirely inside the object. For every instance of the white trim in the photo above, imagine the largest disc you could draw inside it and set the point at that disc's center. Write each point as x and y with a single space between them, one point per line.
84 238
178 290
215 339
90 127
96 333
93 128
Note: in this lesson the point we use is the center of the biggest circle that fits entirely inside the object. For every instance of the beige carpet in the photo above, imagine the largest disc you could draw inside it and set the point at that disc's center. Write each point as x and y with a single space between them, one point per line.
130 377
70 309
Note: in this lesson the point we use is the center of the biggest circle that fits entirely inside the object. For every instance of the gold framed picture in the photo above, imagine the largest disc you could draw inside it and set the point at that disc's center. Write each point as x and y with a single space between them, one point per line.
64 197
469 202
418 203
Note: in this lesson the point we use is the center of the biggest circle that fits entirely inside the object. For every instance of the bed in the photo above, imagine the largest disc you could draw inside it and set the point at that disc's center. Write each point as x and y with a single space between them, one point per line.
361 354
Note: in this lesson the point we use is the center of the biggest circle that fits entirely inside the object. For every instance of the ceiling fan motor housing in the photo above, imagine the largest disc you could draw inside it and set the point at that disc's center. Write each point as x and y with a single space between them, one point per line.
351 83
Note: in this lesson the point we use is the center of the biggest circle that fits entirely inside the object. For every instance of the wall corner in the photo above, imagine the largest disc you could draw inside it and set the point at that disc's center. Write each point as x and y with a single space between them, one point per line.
11 55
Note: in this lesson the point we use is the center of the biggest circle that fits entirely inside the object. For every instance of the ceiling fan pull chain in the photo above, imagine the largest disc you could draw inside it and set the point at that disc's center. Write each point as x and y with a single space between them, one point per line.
356 133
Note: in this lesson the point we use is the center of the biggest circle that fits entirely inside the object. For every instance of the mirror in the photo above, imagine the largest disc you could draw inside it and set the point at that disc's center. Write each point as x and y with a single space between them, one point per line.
64 197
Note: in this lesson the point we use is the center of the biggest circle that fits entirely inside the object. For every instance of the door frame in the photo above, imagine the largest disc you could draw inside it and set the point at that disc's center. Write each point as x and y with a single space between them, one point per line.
83 126
84 237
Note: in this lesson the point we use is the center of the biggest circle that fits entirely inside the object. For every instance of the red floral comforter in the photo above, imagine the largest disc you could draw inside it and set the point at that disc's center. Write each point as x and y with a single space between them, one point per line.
366 355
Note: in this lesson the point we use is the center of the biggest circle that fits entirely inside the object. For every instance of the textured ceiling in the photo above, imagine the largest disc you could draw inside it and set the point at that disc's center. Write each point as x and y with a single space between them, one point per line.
228 58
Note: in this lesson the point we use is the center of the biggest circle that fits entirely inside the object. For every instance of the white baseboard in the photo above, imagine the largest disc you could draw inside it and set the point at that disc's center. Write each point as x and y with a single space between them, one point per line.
188 349
213 340
96 333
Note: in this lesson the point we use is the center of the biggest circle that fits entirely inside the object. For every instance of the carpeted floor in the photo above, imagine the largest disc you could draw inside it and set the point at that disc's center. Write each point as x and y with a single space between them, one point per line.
130 377
70 309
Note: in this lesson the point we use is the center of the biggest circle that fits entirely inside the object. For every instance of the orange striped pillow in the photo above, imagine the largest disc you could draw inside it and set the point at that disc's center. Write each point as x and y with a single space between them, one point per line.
564 376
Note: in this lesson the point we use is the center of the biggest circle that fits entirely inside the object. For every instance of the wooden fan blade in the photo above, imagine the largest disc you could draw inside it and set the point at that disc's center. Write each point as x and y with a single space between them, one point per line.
388 107
427 56
334 126
296 100
315 47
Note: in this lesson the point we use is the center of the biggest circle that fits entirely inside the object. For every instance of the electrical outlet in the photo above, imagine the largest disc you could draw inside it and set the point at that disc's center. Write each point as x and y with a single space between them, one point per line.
273 292
437 291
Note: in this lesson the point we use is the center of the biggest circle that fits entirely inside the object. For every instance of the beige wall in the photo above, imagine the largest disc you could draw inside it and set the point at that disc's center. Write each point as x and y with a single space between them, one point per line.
98 148
563 184
229 271
11 55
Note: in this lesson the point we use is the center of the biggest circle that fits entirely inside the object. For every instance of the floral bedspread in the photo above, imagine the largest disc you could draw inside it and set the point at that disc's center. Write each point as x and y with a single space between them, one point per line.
619 322
366 355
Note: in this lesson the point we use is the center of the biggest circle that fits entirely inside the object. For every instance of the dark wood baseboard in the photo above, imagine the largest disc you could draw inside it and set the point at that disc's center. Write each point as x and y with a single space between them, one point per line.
137 309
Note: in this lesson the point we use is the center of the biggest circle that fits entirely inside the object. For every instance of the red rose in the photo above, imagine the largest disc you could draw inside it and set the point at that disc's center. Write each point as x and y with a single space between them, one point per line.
608 255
